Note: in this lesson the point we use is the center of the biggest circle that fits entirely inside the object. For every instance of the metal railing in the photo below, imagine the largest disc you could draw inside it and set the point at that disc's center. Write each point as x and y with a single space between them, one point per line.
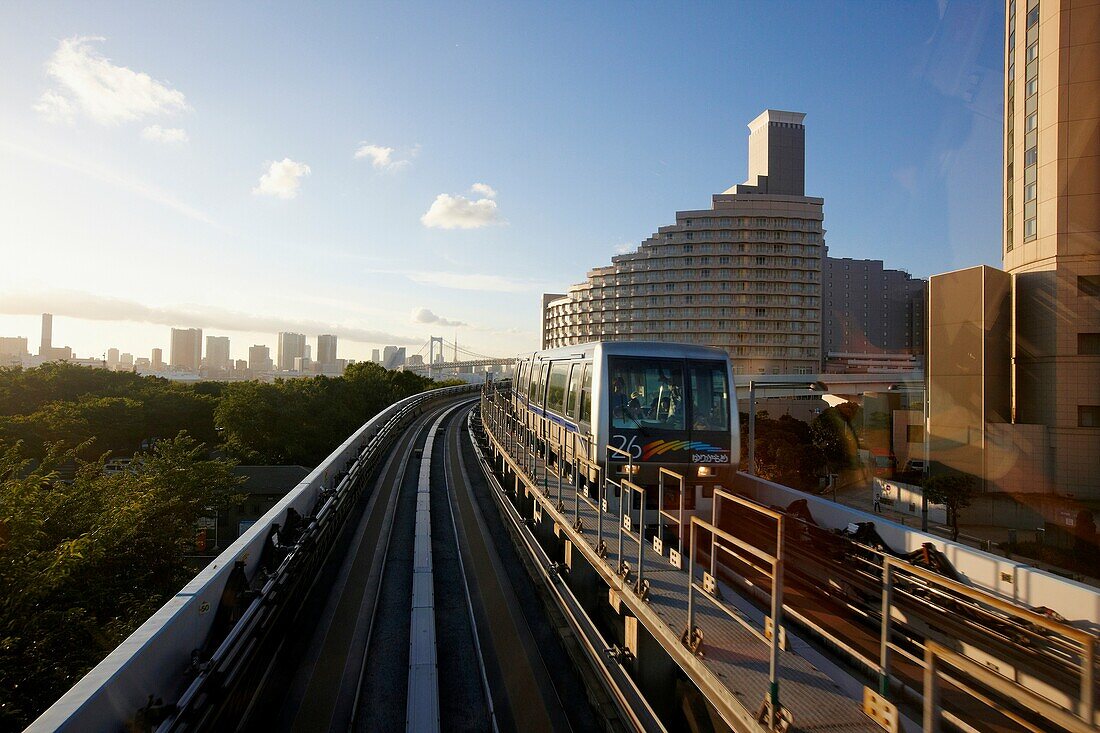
592 485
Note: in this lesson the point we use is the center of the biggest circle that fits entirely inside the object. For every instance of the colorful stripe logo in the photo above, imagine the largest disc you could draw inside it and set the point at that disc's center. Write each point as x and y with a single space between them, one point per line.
660 447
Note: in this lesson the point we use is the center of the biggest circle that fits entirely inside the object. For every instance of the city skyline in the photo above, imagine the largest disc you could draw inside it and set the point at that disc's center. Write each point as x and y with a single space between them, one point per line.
425 208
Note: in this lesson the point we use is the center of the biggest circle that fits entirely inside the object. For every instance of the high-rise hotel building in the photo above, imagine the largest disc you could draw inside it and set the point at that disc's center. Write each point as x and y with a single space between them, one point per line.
1052 228
744 275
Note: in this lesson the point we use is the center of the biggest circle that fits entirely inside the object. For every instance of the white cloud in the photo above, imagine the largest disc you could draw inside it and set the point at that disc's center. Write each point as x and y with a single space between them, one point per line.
483 189
381 157
283 179
160 134
106 93
459 212
423 315
624 248
55 108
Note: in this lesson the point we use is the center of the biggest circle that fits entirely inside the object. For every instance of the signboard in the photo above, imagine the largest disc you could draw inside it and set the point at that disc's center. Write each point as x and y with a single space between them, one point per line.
701 447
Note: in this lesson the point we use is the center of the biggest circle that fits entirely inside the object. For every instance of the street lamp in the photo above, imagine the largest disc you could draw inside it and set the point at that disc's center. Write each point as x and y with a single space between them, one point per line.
923 391
753 386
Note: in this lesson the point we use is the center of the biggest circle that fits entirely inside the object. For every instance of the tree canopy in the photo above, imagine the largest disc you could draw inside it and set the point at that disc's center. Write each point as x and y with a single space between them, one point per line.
87 553
83 562
295 421
955 491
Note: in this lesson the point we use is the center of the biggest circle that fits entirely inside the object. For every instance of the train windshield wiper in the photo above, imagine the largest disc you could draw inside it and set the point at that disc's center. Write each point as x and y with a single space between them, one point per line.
641 428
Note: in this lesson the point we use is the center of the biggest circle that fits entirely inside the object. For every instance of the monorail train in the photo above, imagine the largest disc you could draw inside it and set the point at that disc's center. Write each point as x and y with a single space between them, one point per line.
670 405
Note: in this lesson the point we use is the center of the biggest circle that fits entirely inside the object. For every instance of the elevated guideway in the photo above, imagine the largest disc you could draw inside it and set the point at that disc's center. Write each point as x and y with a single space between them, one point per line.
440 570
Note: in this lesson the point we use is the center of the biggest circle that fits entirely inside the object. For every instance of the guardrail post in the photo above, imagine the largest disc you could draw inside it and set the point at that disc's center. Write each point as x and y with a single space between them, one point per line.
622 502
931 716
777 621
641 542
1088 664
884 641
691 582
558 474
661 506
601 492
576 495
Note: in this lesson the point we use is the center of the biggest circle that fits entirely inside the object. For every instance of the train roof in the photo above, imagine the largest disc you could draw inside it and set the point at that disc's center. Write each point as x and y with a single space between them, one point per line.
631 348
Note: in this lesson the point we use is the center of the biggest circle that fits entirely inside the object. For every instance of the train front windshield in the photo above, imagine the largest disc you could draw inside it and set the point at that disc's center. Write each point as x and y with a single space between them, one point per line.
670 410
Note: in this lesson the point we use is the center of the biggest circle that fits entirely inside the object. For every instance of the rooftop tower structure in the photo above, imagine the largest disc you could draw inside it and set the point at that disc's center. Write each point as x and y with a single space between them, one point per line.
744 275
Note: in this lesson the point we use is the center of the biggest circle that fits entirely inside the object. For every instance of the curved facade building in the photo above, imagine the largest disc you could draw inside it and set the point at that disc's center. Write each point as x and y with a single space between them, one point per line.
743 275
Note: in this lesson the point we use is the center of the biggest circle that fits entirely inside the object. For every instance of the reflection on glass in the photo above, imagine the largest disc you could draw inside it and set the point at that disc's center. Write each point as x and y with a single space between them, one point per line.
710 405
647 393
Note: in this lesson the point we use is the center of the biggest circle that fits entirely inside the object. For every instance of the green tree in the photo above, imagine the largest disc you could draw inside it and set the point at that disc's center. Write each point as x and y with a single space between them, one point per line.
955 491
784 453
834 434
83 563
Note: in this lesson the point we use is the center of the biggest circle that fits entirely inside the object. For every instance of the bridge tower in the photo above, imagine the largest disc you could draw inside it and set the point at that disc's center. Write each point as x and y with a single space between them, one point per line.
432 341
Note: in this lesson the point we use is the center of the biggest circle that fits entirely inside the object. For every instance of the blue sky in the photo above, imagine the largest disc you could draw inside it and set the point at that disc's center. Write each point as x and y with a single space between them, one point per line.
588 125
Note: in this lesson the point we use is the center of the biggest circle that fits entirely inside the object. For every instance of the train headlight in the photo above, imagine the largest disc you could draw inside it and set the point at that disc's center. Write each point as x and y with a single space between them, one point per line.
705 471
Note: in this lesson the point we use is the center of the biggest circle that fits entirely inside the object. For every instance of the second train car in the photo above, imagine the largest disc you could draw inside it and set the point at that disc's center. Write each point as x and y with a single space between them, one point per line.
666 404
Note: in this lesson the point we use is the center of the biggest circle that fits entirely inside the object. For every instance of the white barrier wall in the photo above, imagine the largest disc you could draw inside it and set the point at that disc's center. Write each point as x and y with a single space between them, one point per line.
1079 603
153 660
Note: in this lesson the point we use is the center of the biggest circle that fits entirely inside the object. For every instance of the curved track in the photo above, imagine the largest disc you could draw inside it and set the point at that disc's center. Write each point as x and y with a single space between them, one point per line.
501 664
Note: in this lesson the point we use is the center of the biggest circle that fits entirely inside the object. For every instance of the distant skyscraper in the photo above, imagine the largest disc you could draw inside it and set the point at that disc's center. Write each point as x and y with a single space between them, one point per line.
157 362
326 350
47 351
126 362
112 358
870 309
47 334
393 357
743 275
291 346
375 356
217 352
259 359
12 350
186 349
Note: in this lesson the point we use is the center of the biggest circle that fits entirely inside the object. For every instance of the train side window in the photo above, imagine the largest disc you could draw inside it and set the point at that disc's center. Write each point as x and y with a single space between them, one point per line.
555 390
521 368
574 391
710 405
586 393
536 383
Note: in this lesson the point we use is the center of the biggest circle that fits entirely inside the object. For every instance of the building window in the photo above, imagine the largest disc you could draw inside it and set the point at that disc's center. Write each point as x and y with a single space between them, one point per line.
1031 122
1033 16
1029 227
1031 87
1031 156
1032 52
1088 285
1029 192
1088 344
1088 416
